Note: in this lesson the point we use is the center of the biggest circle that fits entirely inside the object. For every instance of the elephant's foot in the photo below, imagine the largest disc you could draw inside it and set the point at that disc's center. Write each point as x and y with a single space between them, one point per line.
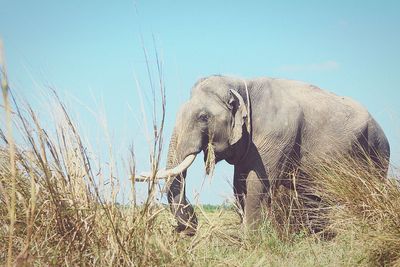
185 230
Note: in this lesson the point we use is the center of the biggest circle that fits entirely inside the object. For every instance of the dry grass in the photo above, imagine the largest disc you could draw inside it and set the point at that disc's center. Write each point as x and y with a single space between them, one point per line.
57 209
360 200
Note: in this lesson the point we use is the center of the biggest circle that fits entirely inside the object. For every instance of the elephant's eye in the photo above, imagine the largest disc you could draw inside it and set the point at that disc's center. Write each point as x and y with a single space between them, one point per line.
203 117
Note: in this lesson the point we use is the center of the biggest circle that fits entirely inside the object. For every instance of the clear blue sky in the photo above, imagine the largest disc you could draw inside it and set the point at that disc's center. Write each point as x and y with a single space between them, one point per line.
92 50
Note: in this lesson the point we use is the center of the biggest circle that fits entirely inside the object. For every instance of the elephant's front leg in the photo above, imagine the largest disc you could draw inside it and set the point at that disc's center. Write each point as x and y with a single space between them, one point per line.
257 193
239 190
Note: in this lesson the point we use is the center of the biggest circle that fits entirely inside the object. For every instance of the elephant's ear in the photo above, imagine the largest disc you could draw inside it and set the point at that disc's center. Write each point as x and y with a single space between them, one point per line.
239 116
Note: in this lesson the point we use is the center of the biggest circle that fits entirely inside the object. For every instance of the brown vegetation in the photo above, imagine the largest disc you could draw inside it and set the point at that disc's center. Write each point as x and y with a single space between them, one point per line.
56 209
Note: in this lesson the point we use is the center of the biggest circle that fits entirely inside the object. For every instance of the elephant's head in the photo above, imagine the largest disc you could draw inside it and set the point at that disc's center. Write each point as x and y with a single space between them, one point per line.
215 114
214 118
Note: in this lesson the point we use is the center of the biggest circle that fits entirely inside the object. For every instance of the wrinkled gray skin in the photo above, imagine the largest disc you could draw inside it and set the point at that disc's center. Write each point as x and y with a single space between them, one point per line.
292 123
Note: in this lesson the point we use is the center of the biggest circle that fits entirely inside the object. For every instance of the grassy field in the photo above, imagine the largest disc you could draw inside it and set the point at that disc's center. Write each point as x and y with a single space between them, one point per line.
58 208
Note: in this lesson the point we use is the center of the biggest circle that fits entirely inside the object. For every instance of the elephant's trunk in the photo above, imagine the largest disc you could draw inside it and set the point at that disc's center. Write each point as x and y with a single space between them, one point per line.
181 208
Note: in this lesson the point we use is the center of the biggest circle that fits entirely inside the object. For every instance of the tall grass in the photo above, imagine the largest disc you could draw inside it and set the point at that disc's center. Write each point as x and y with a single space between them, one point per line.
53 206
54 209
11 198
360 200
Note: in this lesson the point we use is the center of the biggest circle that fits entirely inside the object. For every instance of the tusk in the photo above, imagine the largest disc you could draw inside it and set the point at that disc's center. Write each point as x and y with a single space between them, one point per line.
162 174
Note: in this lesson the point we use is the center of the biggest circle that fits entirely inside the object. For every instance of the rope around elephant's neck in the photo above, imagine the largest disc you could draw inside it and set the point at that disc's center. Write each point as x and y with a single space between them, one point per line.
248 124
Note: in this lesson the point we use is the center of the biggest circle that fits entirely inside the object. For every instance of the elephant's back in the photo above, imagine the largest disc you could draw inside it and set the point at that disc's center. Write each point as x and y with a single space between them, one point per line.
312 97
330 122
314 101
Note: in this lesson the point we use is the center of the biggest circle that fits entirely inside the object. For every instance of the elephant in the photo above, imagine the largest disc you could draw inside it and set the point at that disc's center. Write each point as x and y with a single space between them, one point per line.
267 128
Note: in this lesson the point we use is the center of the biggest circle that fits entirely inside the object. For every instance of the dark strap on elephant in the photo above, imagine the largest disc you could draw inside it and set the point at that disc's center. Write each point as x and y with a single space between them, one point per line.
248 121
